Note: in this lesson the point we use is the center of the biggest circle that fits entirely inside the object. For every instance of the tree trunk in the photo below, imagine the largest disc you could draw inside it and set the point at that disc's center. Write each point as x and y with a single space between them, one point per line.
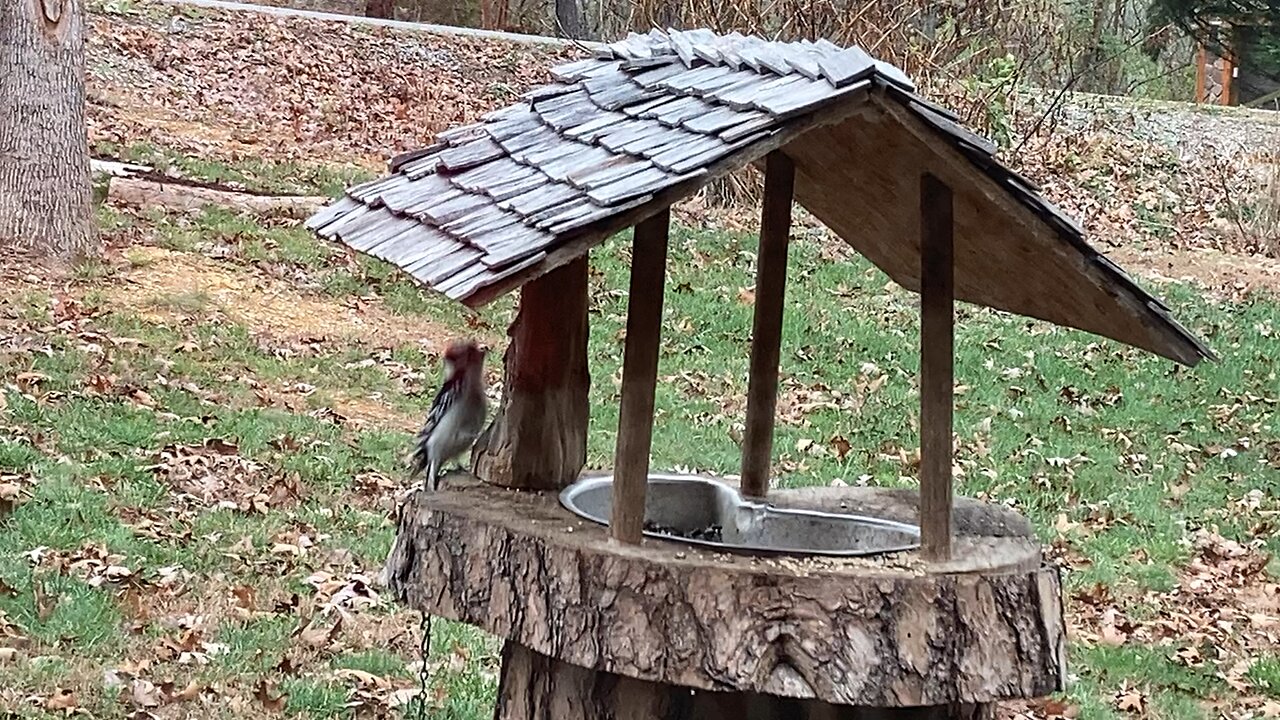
890 631
537 687
538 438
45 201
385 9
569 18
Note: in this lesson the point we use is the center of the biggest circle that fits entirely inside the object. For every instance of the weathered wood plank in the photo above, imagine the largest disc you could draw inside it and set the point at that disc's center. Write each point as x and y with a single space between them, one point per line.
682 83
516 247
540 198
653 78
460 279
592 129
461 135
639 377
519 182
580 158
365 192
720 119
599 213
403 244
606 81
471 154
672 115
485 219
374 230
953 128
609 171
455 207
766 333
622 95
357 222
648 63
696 162
641 183
411 193
772 59
679 154
744 152
549 216
543 92
656 142
538 135
331 212
571 72
937 352
434 246
748 129
397 162
894 74
634 130
801 60
806 99
684 48
483 176
847 66
489 277
330 230
638 108
447 266
745 97
516 124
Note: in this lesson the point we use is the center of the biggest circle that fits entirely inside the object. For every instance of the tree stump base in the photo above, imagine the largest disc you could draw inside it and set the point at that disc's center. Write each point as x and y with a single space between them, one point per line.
666 630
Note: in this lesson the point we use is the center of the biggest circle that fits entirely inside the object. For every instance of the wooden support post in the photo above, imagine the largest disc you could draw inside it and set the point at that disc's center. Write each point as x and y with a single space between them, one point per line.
538 437
766 335
639 377
937 296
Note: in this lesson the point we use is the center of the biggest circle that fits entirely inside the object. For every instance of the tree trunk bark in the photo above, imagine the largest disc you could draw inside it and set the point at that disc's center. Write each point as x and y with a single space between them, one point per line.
45 201
537 687
569 18
538 438
384 9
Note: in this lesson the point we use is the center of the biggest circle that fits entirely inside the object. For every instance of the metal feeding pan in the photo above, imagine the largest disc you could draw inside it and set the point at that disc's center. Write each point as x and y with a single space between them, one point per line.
708 512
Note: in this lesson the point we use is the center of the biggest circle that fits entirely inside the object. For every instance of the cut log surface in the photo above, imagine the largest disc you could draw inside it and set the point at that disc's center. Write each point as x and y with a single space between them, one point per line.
891 631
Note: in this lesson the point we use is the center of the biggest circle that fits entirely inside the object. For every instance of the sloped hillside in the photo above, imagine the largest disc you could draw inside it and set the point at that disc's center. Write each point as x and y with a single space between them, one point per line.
1192 192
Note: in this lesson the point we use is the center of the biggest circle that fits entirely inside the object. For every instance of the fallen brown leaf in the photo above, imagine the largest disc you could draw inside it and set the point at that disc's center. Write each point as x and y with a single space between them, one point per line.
263 694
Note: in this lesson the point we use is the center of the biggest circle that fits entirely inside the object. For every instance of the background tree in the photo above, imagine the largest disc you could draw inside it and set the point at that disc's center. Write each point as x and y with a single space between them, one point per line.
45 199
385 9
1248 29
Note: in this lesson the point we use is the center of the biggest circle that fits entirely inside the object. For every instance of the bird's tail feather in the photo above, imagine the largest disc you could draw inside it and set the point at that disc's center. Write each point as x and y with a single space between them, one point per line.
420 460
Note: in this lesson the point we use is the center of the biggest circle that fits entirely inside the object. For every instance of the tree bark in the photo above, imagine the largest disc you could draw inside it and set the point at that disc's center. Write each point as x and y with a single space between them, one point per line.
569 18
878 632
385 9
537 687
538 438
45 199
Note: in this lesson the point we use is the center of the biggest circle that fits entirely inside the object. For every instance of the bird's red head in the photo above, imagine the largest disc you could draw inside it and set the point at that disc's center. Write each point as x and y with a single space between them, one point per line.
462 355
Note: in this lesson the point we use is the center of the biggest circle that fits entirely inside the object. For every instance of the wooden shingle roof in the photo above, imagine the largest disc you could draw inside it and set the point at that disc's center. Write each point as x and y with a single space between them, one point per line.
652 118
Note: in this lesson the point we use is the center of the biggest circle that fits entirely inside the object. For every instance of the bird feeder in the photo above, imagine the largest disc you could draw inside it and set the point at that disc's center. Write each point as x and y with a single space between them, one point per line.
953 613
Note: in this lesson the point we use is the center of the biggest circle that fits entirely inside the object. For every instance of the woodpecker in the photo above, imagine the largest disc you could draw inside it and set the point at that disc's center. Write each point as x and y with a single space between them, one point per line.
457 414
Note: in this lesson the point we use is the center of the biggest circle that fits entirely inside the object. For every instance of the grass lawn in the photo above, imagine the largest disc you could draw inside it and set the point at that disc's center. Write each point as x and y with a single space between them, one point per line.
201 442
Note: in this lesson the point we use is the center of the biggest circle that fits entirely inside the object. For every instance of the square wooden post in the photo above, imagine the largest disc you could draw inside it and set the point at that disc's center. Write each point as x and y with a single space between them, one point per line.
937 299
766 334
639 377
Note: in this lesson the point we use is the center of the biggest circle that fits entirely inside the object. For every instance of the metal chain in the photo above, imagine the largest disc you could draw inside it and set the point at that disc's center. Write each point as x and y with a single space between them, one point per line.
423 676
